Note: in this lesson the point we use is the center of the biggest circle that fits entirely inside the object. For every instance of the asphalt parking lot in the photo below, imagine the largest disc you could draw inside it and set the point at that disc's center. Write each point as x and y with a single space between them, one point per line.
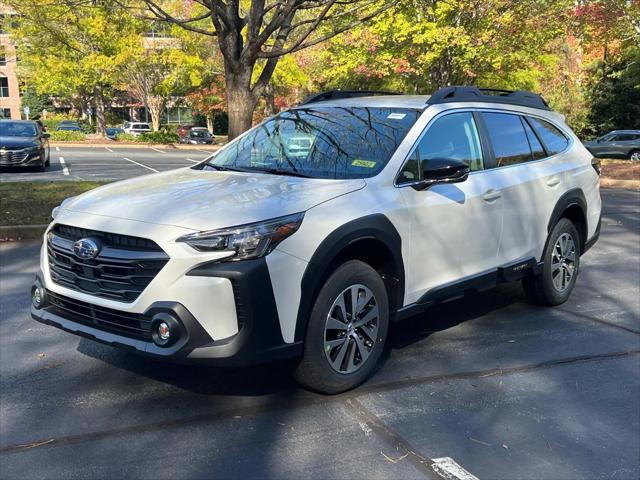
506 389
106 163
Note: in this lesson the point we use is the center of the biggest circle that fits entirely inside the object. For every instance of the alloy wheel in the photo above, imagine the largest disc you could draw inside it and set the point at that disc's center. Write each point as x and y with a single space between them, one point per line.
563 262
351 329
635 156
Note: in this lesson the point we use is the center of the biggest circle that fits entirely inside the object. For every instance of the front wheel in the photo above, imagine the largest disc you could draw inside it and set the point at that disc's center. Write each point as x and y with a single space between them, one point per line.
347 330
635 156
561 261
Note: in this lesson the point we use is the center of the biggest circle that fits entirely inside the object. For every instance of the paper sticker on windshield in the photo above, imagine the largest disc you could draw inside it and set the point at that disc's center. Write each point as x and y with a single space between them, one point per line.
397 116
364 163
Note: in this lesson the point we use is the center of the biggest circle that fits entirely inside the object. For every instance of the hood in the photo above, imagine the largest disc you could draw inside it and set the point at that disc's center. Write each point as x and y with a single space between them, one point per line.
15 143
206 200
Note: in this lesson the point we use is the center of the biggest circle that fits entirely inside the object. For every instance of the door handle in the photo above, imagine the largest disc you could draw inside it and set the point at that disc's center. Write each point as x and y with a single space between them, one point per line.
553 181
492 195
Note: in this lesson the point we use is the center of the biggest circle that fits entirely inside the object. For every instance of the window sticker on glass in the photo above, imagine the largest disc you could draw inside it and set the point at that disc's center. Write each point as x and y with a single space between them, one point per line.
364 163
396 116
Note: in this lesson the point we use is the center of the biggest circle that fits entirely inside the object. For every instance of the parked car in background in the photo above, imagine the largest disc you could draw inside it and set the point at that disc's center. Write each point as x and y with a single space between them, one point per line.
198 136
68 127
183 130
616 144
23 144
391 204
113 132
136 128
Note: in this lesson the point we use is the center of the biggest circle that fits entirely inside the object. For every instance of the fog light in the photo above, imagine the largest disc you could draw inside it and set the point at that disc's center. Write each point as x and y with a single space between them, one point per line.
165 330
37 297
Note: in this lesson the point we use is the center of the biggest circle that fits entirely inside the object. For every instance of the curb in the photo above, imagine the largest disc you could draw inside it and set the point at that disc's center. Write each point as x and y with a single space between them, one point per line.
171 146
15 233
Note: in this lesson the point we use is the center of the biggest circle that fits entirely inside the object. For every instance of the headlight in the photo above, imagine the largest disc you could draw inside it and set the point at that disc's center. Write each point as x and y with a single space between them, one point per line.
56 210
246 241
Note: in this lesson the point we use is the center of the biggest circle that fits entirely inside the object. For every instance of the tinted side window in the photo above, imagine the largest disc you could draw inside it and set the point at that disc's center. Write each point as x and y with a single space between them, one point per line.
627 137
553 139
451 136
536 147
509 140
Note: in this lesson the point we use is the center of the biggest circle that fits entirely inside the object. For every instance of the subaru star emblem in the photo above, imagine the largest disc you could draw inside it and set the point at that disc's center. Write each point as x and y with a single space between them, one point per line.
86 248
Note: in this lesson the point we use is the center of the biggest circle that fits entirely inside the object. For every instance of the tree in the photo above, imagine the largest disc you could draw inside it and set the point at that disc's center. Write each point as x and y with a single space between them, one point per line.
422 45
208 102
72 48
37 103
254 35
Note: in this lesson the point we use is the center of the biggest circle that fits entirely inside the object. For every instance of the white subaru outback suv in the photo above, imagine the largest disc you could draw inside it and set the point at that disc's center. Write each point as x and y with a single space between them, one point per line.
310 235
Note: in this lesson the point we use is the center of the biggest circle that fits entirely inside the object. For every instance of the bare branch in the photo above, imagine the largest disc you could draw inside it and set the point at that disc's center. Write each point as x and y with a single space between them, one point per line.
300 44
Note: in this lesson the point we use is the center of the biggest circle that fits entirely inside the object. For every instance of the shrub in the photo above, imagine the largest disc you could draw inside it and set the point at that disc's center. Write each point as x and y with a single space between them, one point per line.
86 126
159 137
66 136
126 137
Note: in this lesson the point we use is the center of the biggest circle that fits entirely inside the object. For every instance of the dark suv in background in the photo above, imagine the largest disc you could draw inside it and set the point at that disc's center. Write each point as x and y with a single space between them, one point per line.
23 144
616 144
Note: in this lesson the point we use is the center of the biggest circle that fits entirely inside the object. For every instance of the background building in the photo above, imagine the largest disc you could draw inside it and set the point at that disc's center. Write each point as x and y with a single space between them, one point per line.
9 89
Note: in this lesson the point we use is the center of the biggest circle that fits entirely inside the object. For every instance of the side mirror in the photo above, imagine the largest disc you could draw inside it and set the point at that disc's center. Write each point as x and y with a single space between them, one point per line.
442 170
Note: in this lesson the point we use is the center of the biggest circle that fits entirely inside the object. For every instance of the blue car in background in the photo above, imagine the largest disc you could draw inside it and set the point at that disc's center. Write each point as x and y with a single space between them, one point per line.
112 132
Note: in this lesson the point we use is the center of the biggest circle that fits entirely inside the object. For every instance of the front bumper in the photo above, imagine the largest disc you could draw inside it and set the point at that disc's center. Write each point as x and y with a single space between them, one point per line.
20 158
226 312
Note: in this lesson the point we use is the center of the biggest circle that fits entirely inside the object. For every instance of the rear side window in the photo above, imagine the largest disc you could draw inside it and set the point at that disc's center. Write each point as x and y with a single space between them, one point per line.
508 138
553 139
536 147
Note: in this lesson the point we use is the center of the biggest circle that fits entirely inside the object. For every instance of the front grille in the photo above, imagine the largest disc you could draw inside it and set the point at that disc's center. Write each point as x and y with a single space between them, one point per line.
132 325
13 157
122 270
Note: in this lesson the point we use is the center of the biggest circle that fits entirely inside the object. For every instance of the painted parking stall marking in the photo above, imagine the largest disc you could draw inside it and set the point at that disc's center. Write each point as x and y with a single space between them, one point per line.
448 469
141 165
65 170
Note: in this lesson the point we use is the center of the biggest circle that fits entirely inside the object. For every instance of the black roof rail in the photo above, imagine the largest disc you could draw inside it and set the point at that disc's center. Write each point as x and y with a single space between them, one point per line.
488 95
338 94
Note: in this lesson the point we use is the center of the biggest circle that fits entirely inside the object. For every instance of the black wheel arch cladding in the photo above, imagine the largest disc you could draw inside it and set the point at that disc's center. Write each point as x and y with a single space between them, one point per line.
567 205
374 229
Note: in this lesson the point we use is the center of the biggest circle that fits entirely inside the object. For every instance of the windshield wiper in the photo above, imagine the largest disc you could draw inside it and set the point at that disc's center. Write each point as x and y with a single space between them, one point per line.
281 171
222 168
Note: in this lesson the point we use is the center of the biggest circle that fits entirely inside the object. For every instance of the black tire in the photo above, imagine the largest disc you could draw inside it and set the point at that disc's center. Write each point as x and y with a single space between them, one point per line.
542 289
315 372
43 165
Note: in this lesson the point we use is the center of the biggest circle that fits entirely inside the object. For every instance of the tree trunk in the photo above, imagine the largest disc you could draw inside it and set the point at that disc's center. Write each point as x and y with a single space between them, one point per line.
241 101
98 99
155 106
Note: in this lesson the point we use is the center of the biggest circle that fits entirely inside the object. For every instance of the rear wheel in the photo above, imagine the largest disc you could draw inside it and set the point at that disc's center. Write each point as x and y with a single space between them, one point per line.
635 156
561 261
347 330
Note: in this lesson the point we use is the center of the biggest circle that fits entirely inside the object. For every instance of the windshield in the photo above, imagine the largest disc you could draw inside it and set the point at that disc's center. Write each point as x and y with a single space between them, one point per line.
200 134
321 142
17 129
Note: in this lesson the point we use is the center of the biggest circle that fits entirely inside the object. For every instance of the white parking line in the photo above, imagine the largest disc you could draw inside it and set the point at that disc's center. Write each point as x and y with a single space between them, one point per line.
133 161
157 150
65 170
192 160
447 468
109 149
57 149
